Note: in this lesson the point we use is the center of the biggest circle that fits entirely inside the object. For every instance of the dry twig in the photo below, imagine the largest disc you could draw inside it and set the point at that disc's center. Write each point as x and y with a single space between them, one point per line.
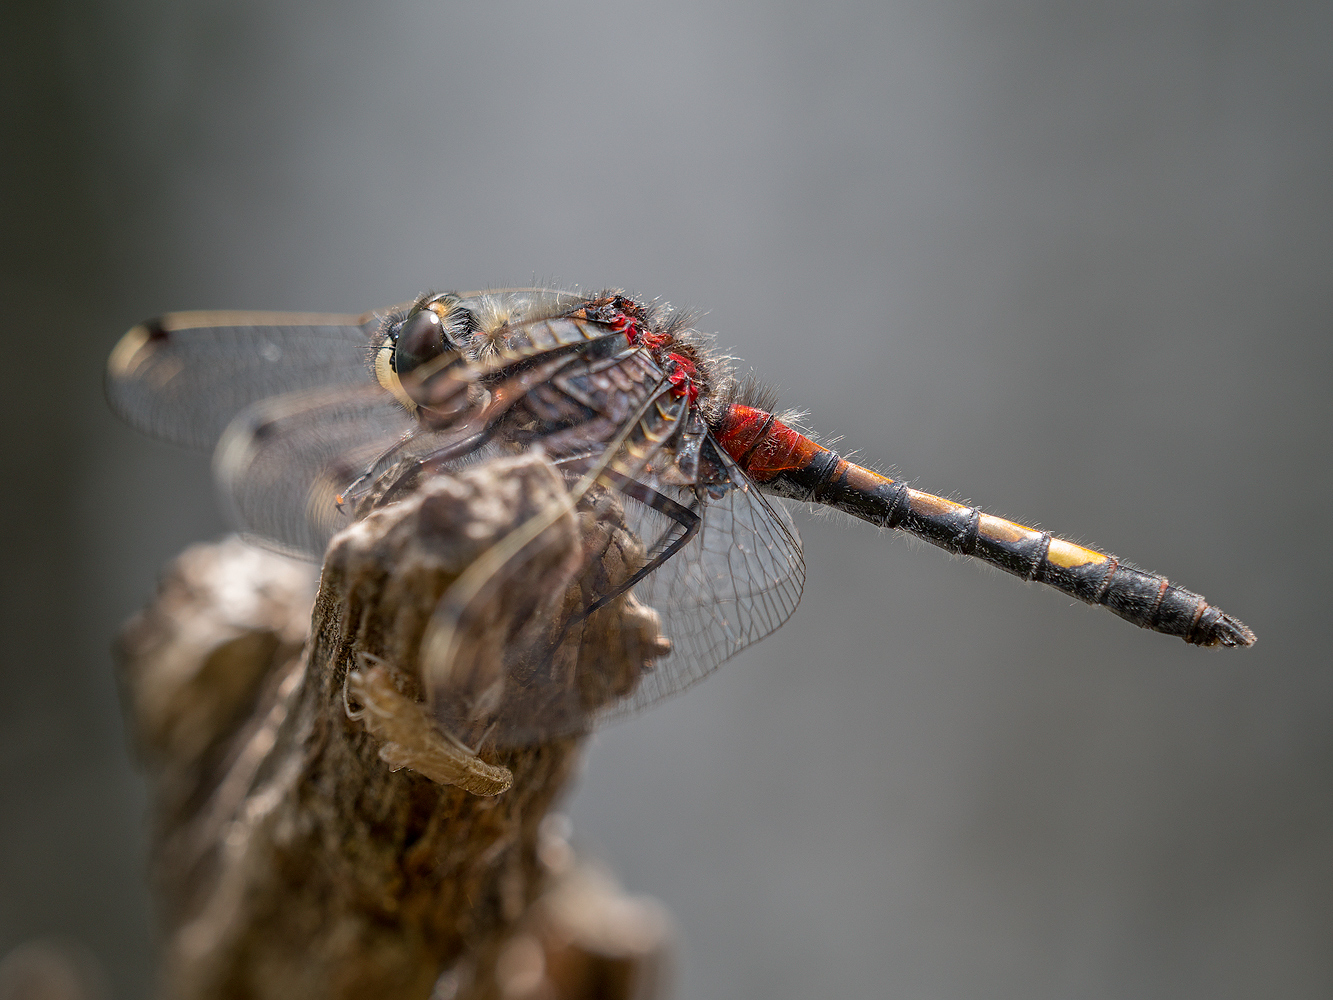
318 835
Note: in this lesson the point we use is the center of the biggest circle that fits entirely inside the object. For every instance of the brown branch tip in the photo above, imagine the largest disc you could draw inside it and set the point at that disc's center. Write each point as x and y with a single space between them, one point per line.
319 834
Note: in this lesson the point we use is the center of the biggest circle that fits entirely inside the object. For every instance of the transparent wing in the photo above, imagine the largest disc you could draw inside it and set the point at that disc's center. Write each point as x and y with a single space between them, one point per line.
737 578
282 463
736 581
295 469
184 376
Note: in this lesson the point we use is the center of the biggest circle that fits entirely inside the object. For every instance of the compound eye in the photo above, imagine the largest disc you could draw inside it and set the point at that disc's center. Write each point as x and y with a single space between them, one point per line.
420 339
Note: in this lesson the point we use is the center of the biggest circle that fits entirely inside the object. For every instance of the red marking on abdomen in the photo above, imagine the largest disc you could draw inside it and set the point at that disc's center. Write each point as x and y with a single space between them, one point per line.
761 444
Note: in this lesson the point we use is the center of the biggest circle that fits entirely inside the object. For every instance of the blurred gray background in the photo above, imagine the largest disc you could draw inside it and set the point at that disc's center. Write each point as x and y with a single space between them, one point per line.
1069 261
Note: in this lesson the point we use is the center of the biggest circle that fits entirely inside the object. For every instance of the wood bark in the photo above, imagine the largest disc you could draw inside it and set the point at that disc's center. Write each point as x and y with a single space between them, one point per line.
318 835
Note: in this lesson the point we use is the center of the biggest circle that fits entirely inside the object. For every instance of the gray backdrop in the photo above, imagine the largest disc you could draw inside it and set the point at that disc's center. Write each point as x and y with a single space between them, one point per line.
1069 261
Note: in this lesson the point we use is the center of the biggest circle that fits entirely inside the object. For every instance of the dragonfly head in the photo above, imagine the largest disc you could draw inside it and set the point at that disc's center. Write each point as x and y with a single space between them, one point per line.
435 326
419 339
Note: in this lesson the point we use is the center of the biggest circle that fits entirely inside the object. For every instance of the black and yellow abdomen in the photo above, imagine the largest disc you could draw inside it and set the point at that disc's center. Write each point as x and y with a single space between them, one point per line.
786 462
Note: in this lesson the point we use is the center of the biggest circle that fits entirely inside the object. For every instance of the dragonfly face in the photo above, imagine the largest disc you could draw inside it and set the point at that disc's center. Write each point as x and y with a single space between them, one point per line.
317 418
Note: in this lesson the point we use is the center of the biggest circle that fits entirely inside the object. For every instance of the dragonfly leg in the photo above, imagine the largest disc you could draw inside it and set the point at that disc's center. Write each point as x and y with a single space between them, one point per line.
470 432
679 513
362 483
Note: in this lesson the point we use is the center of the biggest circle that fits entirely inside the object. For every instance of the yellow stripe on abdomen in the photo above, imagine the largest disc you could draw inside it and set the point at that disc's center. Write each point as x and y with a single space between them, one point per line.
1067 555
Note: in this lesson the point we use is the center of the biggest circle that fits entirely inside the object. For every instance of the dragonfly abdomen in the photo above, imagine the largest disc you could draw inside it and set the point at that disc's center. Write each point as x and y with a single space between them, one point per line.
788 463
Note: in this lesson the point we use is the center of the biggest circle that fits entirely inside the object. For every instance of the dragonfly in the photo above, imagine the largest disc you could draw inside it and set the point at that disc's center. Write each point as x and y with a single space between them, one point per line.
315 419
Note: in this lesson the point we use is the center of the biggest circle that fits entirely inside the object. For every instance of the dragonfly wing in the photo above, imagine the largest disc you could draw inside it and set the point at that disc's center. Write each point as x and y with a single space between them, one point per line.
184 376
295 469
736 581
737 578
545 679
283 462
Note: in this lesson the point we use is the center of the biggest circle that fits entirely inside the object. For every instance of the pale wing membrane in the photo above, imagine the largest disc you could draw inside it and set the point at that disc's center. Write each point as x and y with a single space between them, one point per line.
736 581
553 668
283 462
297 468
183 377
